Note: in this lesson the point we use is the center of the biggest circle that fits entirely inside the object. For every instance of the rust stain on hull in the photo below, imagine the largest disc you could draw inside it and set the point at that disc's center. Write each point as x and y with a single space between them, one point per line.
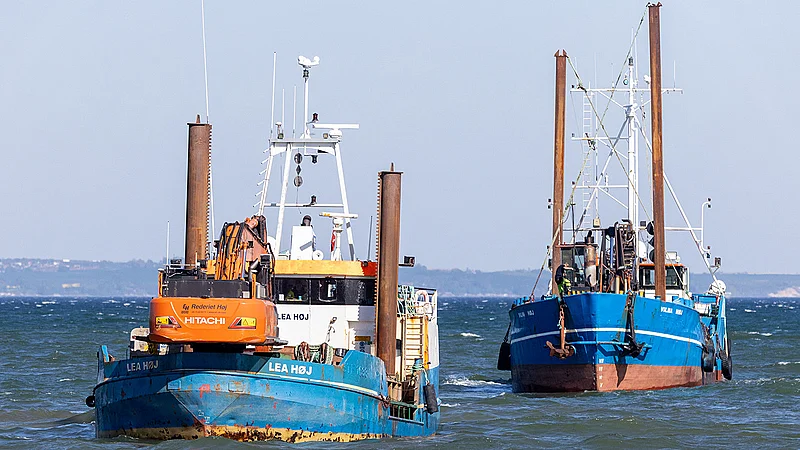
240 433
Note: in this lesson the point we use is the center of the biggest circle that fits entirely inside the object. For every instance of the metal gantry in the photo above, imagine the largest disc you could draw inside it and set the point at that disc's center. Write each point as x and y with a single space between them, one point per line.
595 135
307 145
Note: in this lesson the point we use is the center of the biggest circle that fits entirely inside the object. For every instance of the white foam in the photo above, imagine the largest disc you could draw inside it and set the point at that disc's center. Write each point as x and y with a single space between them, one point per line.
786 363
471 335
126 304
759 333
466 382
453 405
66 379
749 310
48 303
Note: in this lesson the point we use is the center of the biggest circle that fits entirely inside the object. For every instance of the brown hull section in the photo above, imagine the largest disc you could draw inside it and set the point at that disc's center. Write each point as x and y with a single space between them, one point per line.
604 377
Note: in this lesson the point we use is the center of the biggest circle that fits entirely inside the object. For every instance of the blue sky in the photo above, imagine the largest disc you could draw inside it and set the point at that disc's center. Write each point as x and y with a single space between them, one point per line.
95 96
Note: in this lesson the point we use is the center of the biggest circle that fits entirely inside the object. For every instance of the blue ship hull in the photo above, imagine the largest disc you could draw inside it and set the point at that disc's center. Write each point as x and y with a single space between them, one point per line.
247 397
671 337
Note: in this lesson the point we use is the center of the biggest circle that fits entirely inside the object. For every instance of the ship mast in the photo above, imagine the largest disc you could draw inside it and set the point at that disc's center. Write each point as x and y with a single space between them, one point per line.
558 162
658 161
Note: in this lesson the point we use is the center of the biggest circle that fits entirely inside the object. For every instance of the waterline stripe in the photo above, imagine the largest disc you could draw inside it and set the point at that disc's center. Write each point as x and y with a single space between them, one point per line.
613 330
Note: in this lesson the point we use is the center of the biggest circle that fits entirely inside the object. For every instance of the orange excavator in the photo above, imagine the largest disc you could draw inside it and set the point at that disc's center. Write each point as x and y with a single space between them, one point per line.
225 300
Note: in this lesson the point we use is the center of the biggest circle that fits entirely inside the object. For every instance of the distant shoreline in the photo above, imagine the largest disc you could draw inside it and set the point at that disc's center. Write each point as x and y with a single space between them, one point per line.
36 277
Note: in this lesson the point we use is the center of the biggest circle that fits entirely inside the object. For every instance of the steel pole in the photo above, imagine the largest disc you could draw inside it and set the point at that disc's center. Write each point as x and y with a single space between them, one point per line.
388 256
197 192
658 161
558 161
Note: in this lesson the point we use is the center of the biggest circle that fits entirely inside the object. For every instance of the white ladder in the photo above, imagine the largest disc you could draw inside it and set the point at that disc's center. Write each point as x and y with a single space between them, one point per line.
413 342
587 177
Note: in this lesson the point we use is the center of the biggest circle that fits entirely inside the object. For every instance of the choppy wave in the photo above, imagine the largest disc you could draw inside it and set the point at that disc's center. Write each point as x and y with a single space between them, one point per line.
467 382
759 333
759 407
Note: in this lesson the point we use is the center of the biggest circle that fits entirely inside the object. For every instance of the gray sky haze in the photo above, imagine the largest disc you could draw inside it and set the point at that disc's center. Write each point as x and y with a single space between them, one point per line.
95 96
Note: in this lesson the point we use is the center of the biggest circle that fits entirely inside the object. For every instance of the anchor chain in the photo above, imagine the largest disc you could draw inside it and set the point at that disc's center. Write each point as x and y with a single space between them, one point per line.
565 350
632 347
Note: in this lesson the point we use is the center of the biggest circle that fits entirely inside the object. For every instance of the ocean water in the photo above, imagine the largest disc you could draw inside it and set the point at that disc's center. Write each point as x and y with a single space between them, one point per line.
48 366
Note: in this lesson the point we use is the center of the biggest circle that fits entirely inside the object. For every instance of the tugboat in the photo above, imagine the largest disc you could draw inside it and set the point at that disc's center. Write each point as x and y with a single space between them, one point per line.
616 316
249 340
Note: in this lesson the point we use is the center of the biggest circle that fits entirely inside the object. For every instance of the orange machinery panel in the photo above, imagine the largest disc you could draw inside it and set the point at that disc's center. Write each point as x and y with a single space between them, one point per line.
212 320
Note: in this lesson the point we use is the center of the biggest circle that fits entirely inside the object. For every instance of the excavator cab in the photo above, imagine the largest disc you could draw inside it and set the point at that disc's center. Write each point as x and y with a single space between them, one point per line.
222 301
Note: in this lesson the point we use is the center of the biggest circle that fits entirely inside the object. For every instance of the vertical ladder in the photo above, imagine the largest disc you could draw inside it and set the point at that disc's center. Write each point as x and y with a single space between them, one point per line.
414 342
587 177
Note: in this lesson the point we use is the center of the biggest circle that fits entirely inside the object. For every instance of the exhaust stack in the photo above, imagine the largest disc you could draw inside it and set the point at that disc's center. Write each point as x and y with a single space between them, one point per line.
388 226
197 192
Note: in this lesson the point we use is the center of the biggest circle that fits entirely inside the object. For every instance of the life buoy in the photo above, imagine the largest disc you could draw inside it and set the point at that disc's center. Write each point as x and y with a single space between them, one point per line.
424 294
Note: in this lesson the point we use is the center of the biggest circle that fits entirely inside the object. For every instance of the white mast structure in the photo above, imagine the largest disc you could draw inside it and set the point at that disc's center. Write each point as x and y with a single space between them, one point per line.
307 145
629 132
633 130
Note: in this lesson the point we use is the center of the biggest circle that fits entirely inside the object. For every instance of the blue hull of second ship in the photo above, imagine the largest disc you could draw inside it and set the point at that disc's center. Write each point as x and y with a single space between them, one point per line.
671 336
250 397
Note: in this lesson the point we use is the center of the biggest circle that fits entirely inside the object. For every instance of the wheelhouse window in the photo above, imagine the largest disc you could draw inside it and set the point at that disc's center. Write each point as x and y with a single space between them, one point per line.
574 260
366 292
648 278
292 290
327 290
675 277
